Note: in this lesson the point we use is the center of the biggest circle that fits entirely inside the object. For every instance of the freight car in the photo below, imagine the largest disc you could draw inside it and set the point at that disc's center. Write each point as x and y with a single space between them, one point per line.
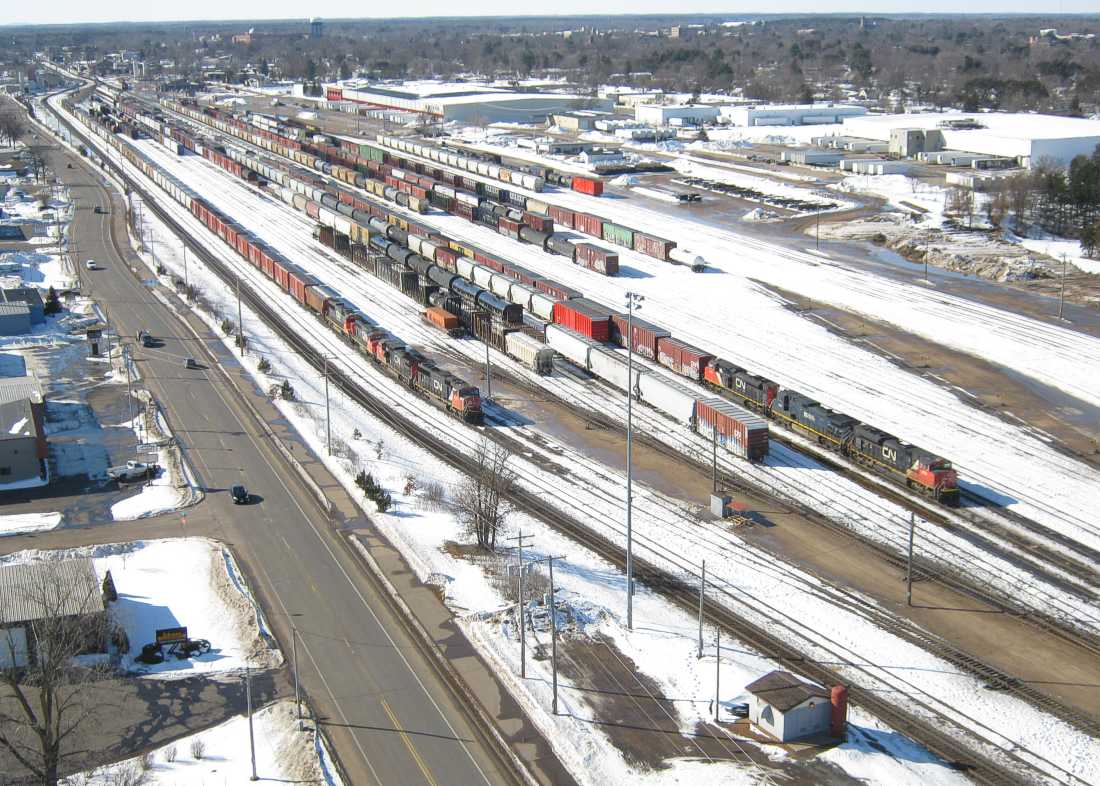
920 469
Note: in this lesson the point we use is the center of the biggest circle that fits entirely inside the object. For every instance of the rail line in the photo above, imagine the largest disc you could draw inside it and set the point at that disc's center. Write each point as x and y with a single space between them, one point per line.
997 766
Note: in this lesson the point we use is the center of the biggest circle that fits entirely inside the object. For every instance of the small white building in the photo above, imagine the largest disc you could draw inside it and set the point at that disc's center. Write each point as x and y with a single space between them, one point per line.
790 114
661 114
787 708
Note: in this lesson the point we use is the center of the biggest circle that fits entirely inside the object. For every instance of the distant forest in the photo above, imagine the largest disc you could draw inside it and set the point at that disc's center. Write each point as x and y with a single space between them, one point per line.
969 62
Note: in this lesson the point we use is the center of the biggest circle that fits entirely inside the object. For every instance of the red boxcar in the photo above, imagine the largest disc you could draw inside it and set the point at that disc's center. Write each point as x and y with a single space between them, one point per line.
585 317
601 260
508 227
590 225
267 265
446 258
538 222
282 277
554 289
739 430
463 210
682 358
489 261
653 246
587 185
561 216
313 210
646 335
297 281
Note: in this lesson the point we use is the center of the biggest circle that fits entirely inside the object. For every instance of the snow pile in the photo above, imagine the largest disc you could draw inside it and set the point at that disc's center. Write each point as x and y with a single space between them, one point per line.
283 754
625 181
173 583
22 523
760 214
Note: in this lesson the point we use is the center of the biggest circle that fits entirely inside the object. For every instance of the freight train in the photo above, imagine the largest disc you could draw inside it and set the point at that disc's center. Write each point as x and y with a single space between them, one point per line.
919 469
418 185
401 361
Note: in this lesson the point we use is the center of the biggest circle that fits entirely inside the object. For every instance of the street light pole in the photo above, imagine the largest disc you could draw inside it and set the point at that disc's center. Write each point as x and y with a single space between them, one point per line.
633 301
297 690
1062 293
251 734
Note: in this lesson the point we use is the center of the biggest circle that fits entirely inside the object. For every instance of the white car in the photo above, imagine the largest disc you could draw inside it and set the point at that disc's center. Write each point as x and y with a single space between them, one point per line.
91 265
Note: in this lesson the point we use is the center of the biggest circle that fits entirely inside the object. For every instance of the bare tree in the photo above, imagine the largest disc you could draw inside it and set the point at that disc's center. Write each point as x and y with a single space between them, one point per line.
11 126
47 702
481 501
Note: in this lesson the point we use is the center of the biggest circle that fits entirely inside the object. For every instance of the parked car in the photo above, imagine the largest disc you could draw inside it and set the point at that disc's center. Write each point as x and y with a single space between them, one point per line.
240 495
132 470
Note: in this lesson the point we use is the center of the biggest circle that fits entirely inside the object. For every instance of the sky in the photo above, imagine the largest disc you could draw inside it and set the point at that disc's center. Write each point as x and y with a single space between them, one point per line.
70 11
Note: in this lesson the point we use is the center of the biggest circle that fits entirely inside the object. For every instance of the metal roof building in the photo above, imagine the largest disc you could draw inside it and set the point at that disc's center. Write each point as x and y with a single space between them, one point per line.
463 102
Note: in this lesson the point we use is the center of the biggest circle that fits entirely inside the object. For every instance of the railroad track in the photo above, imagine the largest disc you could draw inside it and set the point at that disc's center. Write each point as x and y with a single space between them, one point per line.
1029 554
944 743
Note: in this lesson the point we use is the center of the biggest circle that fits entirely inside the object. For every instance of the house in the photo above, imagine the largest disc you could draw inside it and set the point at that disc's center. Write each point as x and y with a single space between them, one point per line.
29 296
785 707
23 448
36 594
15 319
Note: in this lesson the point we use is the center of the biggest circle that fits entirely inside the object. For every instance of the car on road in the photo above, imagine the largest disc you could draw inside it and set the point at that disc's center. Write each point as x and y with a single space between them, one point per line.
91 265
240 495
145 339
100 209
190 363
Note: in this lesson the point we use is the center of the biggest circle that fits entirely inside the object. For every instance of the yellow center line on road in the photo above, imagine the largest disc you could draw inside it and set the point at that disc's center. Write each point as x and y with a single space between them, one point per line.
408 744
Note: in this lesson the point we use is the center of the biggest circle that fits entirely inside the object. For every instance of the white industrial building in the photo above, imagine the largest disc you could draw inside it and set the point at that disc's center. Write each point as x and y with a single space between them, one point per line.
1024 137
684 114
790 114
463 102
787 708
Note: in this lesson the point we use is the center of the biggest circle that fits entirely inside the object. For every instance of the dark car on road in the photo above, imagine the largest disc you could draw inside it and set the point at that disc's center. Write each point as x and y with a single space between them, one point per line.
240 495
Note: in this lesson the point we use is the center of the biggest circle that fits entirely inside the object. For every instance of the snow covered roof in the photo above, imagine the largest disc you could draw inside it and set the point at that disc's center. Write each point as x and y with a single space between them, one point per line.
1012 125
17 421
48 588
19 388
784 691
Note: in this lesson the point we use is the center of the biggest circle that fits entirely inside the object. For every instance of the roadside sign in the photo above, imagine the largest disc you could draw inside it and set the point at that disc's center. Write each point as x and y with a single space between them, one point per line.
171 635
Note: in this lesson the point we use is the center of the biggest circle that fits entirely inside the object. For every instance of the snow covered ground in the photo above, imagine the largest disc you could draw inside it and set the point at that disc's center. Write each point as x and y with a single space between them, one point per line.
221 756
22 523
190 582
959 691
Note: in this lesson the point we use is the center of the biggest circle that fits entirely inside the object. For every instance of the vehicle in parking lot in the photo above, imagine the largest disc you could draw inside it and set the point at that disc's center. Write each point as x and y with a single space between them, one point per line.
240 495
132 470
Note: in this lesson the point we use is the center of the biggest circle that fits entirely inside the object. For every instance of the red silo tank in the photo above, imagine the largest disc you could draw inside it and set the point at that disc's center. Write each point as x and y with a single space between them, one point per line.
839 699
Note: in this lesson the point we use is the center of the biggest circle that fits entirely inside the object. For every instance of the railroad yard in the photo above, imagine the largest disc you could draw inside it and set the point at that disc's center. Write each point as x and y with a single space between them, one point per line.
881 481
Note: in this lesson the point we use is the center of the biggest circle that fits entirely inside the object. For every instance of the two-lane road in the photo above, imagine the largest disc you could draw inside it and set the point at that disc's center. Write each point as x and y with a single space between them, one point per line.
386 710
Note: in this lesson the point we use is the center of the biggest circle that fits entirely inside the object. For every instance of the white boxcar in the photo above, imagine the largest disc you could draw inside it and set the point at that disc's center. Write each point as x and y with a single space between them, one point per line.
465 268
500 284
483 276
570 345
669 397
610 366
542 305
531 352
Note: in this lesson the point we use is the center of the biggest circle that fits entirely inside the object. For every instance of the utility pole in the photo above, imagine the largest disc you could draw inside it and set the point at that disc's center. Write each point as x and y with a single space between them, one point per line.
717 670
328 412
1062 294
633 301
129 392
909 562
107 333
488 371
240 322
552 608
251 734
297 690
817 238
702 594
186 277
520 537
714 456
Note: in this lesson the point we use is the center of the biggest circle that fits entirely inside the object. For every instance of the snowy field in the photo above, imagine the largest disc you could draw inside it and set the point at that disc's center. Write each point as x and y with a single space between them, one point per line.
221 756
958 690
191 582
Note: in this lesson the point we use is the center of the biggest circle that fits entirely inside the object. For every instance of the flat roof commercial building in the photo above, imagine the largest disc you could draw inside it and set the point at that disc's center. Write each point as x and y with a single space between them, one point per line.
462 102
1024 137
662 114
790 114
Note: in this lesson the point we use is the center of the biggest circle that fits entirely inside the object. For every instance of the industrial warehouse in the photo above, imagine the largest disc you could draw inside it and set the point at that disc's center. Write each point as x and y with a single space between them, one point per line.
461 102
